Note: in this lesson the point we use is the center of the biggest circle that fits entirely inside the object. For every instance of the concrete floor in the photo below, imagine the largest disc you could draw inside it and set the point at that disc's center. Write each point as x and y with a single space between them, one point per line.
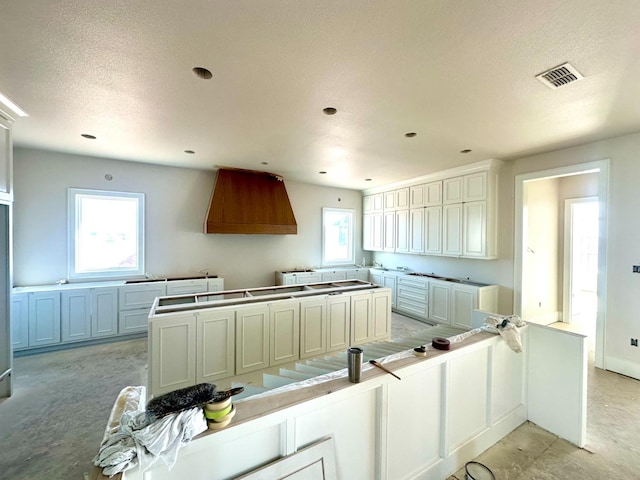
53 424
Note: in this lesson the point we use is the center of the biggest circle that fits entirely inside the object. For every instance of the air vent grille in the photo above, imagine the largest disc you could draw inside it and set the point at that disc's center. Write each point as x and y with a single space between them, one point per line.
560 76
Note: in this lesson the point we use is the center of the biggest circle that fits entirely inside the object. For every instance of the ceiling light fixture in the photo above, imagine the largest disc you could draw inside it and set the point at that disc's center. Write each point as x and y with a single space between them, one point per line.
322 172
367 179
190 152
12 106
410 134
264 163
466 150
330 111
202 73
86 135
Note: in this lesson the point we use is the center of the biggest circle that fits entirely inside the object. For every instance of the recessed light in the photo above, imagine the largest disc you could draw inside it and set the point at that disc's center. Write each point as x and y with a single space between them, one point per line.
202 73
466 150
329 111
264 163
410 134
367 179
86 135
322 172
190 152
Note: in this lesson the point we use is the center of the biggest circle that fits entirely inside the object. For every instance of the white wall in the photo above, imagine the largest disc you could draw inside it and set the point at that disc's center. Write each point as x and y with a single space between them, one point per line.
176 204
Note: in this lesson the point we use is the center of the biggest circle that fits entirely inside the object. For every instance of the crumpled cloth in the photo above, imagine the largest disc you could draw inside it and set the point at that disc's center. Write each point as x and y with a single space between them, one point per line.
507 327
139 442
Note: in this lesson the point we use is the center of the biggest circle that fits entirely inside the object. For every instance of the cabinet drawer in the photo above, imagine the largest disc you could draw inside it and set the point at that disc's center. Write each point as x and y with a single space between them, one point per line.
414 308
133 321
184 287
140 296
411 281
411 293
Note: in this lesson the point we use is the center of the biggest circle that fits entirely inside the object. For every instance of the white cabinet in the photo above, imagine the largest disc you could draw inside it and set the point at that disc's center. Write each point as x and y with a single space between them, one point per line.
185 287
252 338
373 203
215 344
402 199
389 280
452 229
334 275
463 300
474 239
380 315
361 324
412 296
367 232
439 293
453 190
475 187
416 230
313 326
172 348
19 320
389 200
75 315
44 318
375 276
433 230
135 302
6 160
284 332
402 231
433 194
416 196
389 231
104 312
338 319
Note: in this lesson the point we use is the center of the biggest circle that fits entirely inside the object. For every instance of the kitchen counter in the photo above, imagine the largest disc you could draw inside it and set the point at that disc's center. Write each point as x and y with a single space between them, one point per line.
103 283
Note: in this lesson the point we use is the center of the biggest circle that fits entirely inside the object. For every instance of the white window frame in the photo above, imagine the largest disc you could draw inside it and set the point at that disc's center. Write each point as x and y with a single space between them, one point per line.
74 198
351 235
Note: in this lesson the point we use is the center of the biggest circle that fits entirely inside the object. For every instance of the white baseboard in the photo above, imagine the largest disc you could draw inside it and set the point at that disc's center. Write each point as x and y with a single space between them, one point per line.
622 366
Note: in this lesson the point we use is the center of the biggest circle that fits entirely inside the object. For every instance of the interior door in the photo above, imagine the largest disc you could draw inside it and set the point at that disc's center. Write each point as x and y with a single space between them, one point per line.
6 349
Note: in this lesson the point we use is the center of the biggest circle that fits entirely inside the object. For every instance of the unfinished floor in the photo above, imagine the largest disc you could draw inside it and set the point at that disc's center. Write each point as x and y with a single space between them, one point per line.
53 424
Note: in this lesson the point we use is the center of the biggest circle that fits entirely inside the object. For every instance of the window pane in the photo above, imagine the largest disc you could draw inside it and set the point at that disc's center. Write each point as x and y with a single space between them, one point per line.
106 233
337 236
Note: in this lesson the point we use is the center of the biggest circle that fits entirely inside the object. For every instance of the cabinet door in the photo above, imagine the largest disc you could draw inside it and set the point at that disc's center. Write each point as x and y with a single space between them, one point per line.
313 326
367 204
104 312
389 200
390 281
433 230
433 194
439 302
475 187
252 338
172 362
215 284
136 296
6 160
338 315
416 230
389 229
133 321
185 287
215 332
378 202
378 232
76 315
402 198
463 300
375 278
44 318
402 231
361 324
453 190
416 196
284 332
474 243
288 279
381 314
19 320
367 232
452 229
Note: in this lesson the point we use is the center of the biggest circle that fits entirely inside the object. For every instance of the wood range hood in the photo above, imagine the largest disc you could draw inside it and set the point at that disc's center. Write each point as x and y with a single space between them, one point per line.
250 202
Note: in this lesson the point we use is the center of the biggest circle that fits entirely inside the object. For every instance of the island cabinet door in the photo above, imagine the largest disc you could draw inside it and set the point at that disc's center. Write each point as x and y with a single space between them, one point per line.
215 349
252 338
284 332
361 324
381 314
172 363
338 319
313 326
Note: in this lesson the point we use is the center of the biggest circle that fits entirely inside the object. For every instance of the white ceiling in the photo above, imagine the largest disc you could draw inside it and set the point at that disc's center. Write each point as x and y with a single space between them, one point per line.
459 73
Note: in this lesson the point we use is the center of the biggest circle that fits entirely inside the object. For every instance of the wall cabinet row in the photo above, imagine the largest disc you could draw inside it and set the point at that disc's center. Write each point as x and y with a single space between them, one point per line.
79 314
211 344
452 217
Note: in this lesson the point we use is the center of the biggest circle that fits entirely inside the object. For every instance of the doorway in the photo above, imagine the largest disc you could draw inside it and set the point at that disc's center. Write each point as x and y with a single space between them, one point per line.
580 292
523 248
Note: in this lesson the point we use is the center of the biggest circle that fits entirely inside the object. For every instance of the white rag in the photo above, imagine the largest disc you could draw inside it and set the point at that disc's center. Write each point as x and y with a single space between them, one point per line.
506 327
138 442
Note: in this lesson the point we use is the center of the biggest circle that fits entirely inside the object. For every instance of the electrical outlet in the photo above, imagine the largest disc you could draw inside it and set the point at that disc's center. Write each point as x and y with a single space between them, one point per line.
634 342
636 268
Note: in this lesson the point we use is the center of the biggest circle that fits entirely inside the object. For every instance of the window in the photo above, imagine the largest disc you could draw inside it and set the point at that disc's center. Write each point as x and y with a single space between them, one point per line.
106 233
337 236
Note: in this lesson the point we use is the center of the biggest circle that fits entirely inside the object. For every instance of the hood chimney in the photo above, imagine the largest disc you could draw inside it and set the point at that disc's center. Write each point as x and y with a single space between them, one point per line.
250 202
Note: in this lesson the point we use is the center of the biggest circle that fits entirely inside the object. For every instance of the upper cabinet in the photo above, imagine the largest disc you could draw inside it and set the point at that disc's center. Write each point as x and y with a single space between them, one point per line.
6 161
454 215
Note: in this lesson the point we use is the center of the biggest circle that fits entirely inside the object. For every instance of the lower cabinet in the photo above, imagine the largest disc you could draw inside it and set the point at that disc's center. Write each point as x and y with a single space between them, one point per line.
44 318
380 315
284 332
439 293
412 296
88 313
20 320
215 349
252 338
172 353
361 325
338 319
453 303
313 326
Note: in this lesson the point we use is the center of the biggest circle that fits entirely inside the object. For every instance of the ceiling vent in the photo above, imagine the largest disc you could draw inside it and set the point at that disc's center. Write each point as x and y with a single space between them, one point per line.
560 76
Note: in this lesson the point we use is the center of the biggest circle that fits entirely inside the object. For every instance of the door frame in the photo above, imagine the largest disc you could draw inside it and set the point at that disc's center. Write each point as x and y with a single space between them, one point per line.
602 168
567 277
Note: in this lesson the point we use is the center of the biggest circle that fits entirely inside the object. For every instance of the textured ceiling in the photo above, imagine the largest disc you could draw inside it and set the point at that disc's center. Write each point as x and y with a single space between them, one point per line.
459 73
